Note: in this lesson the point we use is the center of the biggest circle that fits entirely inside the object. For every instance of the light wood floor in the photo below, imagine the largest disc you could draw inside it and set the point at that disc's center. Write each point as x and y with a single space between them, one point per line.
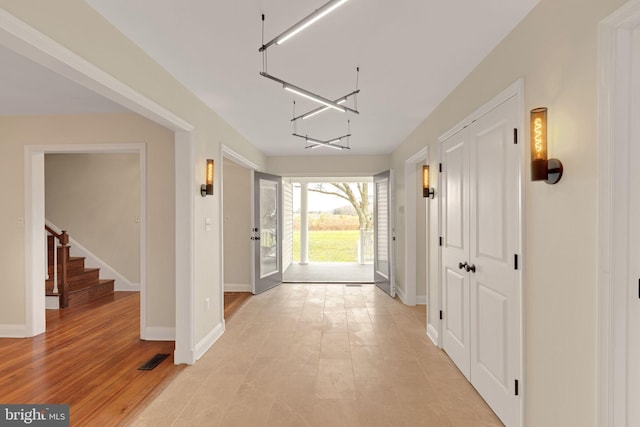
88 358
326 356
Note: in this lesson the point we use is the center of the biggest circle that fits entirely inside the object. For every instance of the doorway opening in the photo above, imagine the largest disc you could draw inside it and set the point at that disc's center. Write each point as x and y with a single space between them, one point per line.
37 217
328 230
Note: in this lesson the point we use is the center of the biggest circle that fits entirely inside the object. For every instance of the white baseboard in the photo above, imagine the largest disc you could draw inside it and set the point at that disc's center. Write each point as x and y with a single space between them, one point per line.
205 344
421 300
52 302
432 333
158 333
237 287
401 295
13 331
93 261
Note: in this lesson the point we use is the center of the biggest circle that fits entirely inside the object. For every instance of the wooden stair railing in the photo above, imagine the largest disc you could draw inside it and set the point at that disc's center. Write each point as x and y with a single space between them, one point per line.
62 283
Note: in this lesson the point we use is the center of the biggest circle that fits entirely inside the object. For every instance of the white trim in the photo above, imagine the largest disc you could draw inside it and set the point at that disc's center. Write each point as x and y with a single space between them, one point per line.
237 287
31 43
52 302
205 344
35 302
421 299
402 295
14 331
34 241
185 194
432 333
513 89
45 51
614 92
158 333
227 152
410 223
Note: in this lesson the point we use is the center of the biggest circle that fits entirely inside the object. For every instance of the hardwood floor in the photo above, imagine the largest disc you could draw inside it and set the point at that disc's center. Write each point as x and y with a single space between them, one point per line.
233 301
88 358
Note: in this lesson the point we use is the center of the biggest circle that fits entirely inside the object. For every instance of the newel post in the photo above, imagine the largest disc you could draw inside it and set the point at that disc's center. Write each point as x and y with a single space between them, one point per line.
63 257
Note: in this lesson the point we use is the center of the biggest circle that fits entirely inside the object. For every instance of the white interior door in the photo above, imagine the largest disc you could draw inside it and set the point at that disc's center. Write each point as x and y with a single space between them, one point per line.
494 170
454 193
266 232
383 233
481 240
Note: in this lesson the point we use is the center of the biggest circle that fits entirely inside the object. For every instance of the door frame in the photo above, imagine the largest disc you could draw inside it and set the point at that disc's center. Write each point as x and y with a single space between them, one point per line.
228 153
35 217
411 201
516 89
615 55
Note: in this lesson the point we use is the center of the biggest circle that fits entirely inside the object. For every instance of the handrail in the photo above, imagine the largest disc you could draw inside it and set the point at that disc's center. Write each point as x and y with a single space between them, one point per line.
63 237
61 285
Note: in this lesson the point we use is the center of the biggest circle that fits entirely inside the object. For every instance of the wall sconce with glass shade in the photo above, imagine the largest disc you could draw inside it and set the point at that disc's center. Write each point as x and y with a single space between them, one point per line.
207 188
542 168
427 192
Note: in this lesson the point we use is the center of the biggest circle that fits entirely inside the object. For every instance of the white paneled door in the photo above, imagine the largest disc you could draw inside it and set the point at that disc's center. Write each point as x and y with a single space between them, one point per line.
480 277
383 233
266 232
455 250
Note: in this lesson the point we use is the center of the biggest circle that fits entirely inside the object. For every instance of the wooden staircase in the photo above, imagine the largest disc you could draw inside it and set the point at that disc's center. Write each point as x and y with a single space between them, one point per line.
76 283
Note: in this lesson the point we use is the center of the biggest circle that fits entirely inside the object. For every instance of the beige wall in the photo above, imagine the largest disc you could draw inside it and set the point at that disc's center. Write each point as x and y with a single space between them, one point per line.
17 132
96 198
554 49
237 224
75 25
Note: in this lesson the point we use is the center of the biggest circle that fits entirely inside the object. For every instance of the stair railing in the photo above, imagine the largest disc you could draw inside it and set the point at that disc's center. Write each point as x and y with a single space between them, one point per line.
60 282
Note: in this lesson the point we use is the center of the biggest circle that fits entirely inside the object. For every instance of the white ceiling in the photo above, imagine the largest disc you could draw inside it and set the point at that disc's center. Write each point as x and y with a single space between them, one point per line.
411 54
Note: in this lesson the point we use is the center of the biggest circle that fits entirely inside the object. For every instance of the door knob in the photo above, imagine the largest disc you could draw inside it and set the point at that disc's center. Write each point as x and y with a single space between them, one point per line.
463 266
471 268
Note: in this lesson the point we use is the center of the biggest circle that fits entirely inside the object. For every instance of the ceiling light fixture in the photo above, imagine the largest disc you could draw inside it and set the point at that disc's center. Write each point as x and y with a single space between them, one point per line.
319 110
309 95
313 97
304 23
331 143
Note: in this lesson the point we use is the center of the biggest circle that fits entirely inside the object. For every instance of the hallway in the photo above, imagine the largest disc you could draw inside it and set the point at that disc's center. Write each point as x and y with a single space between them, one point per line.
322 355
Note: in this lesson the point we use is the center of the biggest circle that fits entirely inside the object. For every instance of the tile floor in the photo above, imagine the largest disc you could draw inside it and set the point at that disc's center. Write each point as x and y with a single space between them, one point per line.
321 355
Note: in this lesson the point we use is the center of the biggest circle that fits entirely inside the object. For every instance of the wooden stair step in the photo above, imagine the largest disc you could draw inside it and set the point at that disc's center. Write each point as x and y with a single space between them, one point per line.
83 279
102 288
74 264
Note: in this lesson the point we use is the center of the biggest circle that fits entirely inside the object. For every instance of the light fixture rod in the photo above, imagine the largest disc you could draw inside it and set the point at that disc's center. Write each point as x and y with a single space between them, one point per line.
317 98
329 143
321 109
304 23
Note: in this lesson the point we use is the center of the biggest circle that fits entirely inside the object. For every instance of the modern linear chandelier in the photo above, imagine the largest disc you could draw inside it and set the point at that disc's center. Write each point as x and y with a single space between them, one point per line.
325 103
317 143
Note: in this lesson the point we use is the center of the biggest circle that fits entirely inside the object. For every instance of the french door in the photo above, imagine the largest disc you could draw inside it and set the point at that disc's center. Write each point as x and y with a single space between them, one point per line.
383 232
266 233
481 239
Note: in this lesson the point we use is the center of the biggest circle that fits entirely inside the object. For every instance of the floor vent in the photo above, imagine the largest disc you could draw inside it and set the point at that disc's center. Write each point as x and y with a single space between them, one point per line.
153 362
